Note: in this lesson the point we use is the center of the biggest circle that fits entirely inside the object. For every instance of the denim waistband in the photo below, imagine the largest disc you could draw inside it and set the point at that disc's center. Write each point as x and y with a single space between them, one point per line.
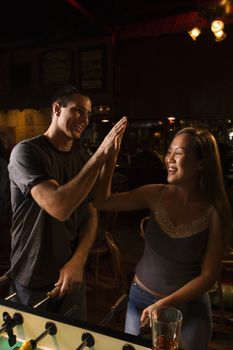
148 291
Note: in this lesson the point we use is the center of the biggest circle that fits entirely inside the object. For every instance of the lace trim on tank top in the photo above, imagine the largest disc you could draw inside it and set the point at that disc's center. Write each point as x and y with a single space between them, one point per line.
181 230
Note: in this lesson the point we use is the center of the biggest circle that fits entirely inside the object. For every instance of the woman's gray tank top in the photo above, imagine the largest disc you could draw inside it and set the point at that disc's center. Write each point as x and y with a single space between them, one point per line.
173 254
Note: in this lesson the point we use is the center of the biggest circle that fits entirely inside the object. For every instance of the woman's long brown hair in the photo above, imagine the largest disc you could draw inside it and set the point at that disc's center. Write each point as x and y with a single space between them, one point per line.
211 182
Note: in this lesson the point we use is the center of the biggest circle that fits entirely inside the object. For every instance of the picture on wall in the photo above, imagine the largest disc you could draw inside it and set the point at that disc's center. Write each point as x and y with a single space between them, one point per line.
92 74
57 67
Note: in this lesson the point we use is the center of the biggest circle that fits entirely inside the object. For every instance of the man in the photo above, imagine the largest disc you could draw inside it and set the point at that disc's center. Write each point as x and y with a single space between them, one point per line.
54 222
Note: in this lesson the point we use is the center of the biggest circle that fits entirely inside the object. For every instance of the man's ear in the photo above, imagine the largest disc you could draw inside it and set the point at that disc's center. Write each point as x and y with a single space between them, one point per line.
56 109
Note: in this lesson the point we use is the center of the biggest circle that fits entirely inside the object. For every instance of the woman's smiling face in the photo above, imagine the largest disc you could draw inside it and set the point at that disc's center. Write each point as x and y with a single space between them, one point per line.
181 161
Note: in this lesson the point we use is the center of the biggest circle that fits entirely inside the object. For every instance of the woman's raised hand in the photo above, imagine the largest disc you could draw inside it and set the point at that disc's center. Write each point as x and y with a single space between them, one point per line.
112 141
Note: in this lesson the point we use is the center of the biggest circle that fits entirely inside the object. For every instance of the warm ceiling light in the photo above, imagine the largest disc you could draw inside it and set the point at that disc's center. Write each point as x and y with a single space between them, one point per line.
194 33
171 120
217 28
226 4
217 25
219 36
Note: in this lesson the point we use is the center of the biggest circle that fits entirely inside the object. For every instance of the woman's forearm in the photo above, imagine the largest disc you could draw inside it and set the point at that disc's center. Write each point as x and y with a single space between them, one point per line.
103 185
189 291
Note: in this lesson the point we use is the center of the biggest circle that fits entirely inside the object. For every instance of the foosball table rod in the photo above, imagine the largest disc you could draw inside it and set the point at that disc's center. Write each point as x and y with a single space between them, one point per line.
50 328
87 340
10 296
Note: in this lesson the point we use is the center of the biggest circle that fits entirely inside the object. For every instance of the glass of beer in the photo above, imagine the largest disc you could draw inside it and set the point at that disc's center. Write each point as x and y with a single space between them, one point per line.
166 324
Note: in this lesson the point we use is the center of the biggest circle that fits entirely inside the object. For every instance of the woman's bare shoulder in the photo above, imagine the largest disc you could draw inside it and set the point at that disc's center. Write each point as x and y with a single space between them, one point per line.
153 193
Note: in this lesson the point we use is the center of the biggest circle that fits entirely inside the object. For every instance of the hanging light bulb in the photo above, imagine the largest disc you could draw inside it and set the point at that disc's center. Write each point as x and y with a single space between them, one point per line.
217 27
194 33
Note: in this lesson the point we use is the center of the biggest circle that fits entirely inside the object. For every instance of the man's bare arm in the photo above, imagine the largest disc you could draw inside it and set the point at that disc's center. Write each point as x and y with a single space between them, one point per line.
61 200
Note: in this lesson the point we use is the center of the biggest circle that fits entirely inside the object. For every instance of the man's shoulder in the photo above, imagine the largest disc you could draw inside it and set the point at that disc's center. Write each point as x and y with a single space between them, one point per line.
36 140
31 147
30 142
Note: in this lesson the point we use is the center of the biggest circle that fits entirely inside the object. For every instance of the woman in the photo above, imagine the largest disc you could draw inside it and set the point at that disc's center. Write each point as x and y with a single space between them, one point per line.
185 237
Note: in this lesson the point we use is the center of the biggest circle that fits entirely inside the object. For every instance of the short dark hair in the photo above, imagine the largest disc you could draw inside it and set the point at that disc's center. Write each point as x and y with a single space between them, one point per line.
64 94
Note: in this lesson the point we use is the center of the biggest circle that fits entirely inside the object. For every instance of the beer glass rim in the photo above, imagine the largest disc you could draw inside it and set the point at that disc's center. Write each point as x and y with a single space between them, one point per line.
180 316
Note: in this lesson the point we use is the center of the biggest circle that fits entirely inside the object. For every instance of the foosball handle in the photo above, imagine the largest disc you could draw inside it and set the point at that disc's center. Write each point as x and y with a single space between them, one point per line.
4 279
87 340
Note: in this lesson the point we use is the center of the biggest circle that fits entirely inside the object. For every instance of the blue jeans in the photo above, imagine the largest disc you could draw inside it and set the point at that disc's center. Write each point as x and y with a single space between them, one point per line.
63 306
139 299
196 324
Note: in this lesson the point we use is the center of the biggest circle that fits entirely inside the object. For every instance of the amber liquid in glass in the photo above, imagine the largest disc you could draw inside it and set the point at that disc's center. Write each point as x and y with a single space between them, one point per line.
163 342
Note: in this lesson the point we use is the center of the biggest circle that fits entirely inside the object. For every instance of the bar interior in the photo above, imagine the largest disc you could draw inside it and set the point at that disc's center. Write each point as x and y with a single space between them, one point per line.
166 65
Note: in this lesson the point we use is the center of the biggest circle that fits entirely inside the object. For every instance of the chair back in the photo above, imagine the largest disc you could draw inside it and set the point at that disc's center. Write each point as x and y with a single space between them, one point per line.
224 304
143 223
119 270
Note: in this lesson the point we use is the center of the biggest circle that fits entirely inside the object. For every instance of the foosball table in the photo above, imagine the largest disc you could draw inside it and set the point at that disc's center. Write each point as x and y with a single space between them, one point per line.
25 328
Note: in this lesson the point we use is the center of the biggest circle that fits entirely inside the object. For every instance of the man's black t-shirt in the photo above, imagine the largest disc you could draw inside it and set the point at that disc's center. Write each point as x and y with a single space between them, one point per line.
41 245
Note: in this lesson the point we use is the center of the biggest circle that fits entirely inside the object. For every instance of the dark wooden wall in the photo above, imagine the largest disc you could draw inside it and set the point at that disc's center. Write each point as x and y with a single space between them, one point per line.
146 78
172 74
